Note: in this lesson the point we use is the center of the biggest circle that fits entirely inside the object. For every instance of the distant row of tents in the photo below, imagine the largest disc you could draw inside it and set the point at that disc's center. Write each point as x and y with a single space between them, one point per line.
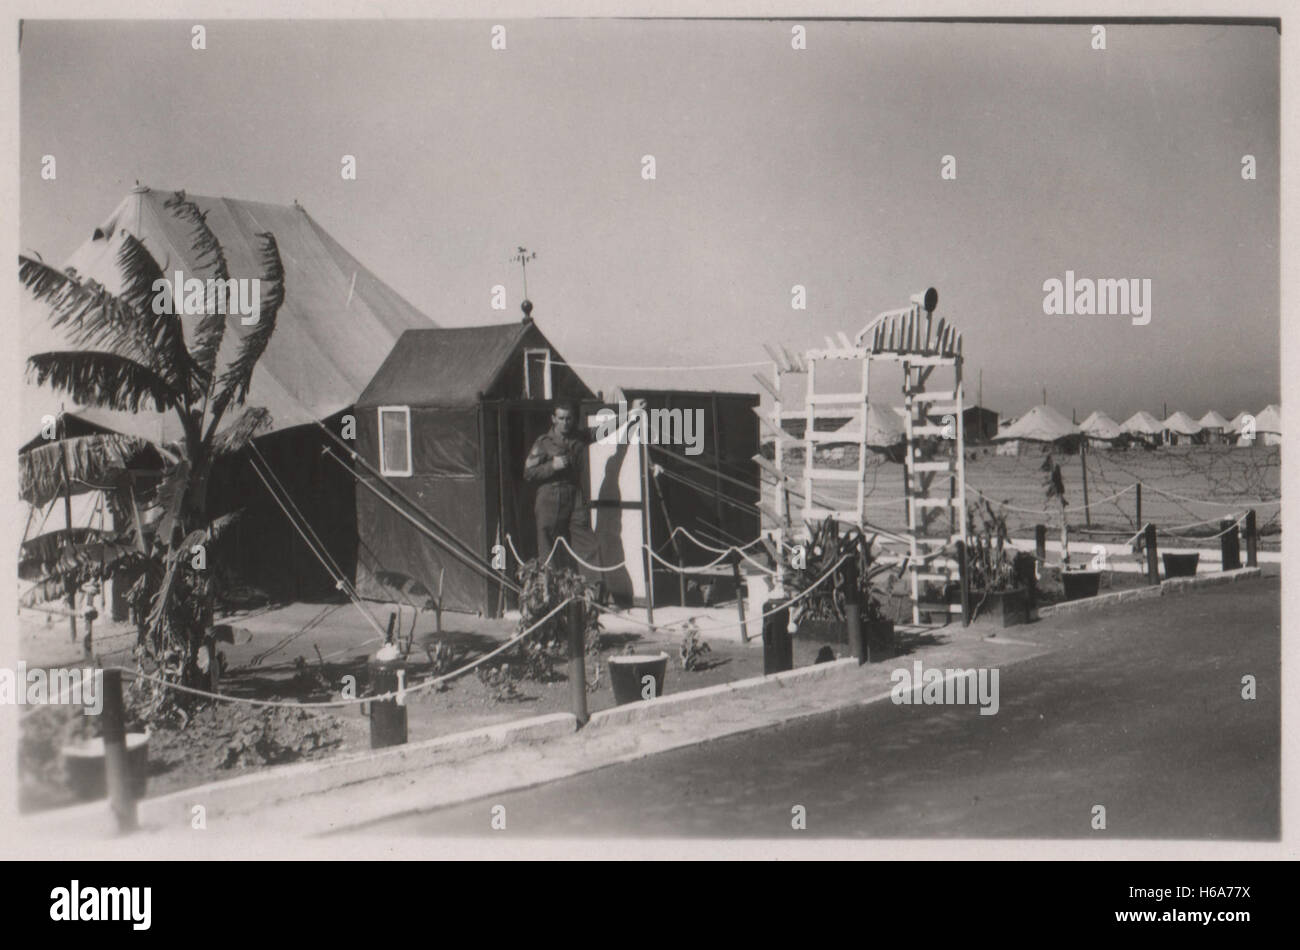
1045 424
886 427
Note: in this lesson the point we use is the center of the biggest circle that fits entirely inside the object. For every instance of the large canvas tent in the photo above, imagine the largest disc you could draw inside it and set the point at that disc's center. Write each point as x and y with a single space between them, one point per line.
1142 425
447 421
1213 426
884 427
1234 427
1180 427
1041 424
1268 425
1100 428
338 323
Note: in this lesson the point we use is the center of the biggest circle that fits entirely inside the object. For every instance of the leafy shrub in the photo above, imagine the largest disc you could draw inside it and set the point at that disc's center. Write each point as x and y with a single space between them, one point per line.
825 547
693 649
990 556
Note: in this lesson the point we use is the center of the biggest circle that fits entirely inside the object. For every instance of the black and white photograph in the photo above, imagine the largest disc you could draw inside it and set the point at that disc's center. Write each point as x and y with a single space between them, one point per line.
602 430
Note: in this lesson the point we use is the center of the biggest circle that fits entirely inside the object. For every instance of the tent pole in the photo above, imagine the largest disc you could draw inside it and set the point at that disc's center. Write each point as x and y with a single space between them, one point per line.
501 506
69 588
677 548
1083 460
645 519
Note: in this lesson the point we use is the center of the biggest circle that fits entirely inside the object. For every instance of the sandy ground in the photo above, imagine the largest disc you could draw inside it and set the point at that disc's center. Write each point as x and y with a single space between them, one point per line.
303 652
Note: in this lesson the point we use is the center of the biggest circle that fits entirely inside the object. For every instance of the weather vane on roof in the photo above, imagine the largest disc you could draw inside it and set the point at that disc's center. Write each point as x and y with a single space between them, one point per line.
523 256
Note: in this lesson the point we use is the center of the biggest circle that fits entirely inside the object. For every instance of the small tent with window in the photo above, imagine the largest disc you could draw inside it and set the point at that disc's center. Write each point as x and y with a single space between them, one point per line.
447 421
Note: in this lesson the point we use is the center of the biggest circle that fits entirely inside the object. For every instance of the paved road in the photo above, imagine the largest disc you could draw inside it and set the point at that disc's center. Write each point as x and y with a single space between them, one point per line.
1139 711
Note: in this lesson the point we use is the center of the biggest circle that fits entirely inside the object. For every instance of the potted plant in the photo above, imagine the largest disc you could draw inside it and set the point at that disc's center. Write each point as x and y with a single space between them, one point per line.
997 586
1077 583
822 613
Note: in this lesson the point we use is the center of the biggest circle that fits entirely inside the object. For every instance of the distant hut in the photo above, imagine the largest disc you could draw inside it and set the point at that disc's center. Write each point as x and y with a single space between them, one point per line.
979 425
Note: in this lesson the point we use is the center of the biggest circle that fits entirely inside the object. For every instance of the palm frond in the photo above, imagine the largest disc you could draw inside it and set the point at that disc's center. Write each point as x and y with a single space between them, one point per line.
96 459
212 328
237 377
95 319
108 380
236 436
162 334
81 307
219 526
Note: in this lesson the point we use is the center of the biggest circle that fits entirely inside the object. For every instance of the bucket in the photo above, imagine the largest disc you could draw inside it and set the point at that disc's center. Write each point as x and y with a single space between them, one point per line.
1181 565
84 771
1080 584
627 675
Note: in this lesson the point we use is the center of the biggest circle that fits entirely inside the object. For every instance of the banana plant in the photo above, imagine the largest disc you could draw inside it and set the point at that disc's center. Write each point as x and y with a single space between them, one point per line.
128 354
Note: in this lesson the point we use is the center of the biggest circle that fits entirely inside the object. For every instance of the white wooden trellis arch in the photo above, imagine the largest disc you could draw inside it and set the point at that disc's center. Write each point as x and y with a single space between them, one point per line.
935 441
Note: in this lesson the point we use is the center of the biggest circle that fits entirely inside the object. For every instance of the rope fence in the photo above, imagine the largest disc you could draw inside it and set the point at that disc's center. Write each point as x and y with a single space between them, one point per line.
403 692
399 694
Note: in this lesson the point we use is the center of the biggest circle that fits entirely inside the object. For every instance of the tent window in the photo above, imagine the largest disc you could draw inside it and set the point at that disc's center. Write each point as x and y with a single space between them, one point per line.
537 374
395 440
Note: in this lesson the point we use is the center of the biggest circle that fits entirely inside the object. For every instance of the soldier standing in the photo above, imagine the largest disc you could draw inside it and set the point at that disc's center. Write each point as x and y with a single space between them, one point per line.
555 465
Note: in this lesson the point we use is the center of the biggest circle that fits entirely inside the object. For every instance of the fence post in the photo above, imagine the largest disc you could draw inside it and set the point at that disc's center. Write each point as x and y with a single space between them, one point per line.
778 650
964 577
1252 540
1139 504
1040 547
740 600
1229 545
853 611
577 621
1083 461
387 716
117 765
1153 565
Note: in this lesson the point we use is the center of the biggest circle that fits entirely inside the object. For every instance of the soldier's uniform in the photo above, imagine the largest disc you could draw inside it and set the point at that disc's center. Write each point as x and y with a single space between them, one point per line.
560 508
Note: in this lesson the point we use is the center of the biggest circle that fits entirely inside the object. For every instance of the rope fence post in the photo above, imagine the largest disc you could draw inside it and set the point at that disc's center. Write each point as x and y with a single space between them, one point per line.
387 716
964 578
778 650
1083 461
117 765
853 611
1229 545
649 549
1153 565
1252 540
576 617
740 599
1138 521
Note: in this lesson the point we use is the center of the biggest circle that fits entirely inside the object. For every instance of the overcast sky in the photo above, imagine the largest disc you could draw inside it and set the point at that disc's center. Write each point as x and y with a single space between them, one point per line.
774 166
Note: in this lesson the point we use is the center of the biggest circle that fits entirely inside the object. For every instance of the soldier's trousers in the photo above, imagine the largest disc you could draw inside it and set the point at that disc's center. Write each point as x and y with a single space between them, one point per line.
561 513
